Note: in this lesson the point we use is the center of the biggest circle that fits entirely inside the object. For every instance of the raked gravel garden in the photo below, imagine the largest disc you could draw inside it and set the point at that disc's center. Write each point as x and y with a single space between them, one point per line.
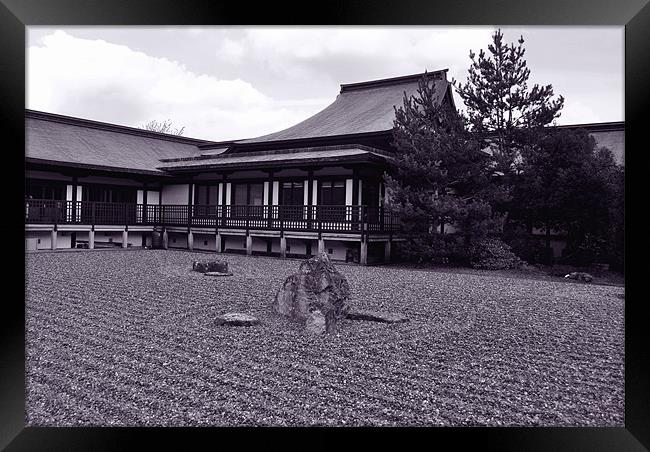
128 338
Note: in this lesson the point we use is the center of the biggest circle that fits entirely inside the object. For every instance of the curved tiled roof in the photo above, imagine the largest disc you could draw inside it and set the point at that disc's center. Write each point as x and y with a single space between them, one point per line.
359 108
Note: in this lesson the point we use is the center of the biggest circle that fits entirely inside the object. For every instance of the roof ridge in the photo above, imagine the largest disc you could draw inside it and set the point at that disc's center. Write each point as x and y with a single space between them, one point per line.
440 73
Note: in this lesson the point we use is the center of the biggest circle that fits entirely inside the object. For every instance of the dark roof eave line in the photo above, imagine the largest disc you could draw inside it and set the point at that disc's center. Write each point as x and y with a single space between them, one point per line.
57 163
292 163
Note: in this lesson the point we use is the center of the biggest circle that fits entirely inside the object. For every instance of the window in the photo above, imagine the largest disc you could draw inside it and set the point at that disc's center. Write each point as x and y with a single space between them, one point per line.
45 190
332 193
206 195
240 194
99 193
248 194
293 194
256 194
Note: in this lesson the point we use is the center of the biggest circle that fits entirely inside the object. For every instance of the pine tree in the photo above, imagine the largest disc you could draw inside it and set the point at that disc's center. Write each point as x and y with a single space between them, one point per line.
502 110
439 177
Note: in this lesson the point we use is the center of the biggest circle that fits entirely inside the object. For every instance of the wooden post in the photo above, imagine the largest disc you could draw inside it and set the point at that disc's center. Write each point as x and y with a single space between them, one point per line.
249 245
269 200
387 250
355 217
283 246
190 240
310 198
165 239
218 242
91 240
321 246
125 238
363 258
54 239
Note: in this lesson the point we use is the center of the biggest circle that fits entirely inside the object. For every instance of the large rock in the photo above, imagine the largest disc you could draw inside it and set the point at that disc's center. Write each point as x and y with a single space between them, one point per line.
217 266
317 295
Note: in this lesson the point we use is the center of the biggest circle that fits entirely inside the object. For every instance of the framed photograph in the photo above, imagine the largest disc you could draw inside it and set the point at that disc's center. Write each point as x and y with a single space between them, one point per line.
380 216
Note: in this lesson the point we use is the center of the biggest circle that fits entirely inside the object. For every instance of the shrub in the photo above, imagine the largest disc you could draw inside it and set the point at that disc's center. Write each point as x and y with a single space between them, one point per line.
530 249
493 254
432 249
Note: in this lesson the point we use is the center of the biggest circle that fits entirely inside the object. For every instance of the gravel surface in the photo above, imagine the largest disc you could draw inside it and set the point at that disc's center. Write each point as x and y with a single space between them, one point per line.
128 338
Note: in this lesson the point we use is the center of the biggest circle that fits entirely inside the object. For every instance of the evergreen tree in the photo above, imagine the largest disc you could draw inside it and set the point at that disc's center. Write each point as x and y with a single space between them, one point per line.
566 184
439 177
502 110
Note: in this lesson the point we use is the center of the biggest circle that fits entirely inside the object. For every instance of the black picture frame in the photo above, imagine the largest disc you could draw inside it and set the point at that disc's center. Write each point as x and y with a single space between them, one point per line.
15 15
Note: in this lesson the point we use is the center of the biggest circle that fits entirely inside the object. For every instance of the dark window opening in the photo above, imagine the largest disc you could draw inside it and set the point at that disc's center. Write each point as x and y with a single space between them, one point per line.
332 193
293 194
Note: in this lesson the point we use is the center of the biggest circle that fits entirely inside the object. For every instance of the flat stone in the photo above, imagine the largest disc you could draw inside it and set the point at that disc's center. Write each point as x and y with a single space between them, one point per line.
375 316
217 274
237 319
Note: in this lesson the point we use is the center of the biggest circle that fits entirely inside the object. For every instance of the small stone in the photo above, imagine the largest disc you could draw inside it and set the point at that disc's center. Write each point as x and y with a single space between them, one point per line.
375 316
580 276
236 319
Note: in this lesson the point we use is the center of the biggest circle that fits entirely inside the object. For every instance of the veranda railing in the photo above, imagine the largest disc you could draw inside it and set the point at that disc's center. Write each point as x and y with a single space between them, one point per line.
354 219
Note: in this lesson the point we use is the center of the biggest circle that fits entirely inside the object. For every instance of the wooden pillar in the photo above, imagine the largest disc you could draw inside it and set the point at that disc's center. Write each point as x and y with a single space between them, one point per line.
91 240
224 209
283 247
363 257
190 240
321 246
355 187
125 238
190 199
165 239
74 201
310 199
54 239
387 251
249 245
218 242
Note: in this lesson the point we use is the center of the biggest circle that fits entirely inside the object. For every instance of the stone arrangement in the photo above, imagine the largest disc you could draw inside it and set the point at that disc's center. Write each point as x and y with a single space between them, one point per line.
580 276
212 268
317 295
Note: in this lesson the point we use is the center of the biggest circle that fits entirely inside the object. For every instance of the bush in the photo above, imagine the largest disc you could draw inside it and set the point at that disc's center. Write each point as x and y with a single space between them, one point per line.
530 249
435 249
493 254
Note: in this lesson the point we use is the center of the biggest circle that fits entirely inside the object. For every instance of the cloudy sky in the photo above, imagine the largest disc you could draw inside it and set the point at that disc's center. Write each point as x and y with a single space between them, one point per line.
226 83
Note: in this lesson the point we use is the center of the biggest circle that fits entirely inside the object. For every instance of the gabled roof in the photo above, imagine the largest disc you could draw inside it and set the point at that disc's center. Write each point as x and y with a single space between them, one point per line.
92 144
364 107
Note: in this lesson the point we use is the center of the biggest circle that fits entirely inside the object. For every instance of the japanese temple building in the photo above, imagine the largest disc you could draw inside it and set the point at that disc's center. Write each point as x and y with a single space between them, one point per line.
316 186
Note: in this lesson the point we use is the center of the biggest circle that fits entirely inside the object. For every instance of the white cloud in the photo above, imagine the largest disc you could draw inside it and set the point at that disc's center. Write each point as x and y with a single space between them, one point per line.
108 82
233 82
